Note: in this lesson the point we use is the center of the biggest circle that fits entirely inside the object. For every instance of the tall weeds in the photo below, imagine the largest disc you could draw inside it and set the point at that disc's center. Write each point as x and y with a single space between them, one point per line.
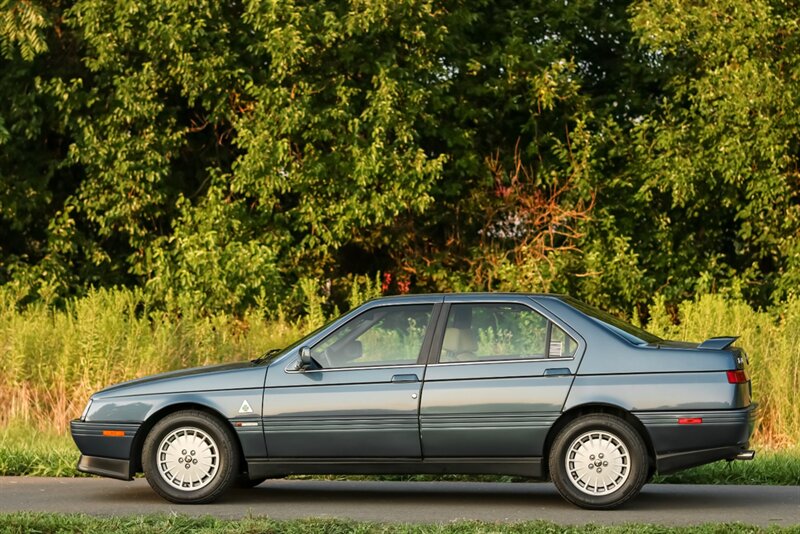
772 343
52 361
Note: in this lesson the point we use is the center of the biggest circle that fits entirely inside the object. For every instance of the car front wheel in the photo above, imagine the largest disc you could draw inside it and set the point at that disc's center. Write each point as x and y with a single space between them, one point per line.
598 462
189 457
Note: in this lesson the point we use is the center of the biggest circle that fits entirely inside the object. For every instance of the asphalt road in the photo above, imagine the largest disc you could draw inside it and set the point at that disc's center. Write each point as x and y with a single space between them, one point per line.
411 501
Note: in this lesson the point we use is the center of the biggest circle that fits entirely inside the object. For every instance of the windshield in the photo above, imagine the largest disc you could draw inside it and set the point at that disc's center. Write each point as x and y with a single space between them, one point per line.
623 329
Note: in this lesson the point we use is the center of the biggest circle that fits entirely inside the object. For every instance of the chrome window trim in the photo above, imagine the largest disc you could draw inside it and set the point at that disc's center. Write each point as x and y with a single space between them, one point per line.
354 368
507 360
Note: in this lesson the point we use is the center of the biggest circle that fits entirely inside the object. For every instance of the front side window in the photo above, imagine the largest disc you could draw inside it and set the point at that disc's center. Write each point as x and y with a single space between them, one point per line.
477 332
390 335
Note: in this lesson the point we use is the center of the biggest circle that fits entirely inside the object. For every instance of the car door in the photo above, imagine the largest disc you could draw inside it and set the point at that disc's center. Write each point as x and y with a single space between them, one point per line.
363 401
500 372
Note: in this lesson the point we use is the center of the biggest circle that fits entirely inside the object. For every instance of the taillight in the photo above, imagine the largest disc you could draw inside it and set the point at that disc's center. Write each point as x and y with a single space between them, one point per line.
737 377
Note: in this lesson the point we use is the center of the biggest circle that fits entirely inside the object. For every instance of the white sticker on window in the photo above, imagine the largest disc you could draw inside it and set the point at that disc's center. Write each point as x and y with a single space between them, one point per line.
556 349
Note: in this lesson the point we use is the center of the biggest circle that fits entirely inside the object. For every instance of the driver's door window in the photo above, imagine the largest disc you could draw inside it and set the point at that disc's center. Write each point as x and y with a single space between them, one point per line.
389 335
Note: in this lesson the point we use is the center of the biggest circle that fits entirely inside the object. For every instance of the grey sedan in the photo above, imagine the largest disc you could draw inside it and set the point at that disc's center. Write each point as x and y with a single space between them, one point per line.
539 386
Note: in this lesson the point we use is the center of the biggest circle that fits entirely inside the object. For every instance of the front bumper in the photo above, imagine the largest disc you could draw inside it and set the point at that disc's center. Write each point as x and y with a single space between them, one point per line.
105 447
722 435
105 467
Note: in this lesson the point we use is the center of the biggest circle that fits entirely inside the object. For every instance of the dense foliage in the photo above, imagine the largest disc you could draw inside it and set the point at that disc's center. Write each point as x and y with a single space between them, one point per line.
225 155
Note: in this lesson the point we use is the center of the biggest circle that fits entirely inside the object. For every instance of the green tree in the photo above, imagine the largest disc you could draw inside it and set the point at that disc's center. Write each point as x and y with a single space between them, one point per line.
716 163
222 155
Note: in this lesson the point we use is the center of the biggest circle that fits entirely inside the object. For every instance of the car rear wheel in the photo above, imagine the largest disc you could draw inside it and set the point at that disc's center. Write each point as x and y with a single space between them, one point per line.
598 462
190 457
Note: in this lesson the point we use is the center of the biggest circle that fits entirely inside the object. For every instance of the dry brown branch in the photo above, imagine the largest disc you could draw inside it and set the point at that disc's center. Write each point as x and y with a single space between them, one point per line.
531 222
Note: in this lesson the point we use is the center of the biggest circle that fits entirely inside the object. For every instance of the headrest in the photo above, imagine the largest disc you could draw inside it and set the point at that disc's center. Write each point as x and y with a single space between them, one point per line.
348 353
459 340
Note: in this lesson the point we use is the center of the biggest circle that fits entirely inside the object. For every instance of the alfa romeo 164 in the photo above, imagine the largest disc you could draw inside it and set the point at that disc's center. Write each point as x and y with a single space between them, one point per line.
538 386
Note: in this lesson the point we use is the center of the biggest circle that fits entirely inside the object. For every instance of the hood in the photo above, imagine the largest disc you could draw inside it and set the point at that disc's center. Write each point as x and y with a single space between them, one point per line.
208 378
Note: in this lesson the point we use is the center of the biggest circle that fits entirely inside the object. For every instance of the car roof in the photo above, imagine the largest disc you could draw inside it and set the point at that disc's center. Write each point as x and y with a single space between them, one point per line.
478 295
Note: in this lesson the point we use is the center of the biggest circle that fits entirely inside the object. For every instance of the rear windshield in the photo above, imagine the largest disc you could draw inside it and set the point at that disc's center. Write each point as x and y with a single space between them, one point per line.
623 329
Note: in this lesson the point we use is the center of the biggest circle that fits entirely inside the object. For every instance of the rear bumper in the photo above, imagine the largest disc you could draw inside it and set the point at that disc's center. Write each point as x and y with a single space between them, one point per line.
105 467
722 435
671 462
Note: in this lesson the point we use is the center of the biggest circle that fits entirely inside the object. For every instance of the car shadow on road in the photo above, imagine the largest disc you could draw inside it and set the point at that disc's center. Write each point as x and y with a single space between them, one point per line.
332 495
413 493
511 495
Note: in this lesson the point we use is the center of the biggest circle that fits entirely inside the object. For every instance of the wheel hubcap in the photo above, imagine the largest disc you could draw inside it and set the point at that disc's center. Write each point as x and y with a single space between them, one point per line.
188 459
598 463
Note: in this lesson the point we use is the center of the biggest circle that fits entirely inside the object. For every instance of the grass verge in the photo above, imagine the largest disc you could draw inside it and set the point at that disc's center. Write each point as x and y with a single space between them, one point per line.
774 468
61 523
25 452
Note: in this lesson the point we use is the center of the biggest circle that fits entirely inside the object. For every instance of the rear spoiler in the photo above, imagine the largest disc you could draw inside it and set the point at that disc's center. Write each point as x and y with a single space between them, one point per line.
717 343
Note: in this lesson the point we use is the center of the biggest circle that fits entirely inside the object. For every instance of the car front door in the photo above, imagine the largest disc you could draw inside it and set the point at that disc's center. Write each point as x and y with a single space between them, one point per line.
500 372
363 399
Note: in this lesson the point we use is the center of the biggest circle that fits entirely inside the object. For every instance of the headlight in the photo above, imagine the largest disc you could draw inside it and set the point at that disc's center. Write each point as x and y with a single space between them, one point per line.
86 410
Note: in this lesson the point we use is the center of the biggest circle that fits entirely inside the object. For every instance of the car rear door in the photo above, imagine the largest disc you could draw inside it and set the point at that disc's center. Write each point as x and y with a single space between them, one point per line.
364 400
500 371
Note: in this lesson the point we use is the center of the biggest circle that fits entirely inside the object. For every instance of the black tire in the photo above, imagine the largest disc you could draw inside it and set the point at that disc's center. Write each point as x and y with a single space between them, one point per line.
615 487
212 434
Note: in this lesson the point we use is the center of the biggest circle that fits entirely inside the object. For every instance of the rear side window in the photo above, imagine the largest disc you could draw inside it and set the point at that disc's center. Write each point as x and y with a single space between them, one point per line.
561 344
478 332
627 331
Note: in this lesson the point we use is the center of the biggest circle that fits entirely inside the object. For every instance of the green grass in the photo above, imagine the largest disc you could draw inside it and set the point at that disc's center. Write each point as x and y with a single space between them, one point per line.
25 452
62 523
777 468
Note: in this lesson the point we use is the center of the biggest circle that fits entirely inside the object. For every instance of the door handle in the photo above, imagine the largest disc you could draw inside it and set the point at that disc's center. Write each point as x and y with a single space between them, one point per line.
557 371
405 378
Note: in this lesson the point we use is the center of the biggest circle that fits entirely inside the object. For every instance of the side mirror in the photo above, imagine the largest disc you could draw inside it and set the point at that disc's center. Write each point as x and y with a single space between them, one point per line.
306 361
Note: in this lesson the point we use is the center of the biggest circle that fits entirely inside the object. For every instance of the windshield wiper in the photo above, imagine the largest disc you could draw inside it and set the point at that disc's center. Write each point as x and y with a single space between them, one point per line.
266 356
